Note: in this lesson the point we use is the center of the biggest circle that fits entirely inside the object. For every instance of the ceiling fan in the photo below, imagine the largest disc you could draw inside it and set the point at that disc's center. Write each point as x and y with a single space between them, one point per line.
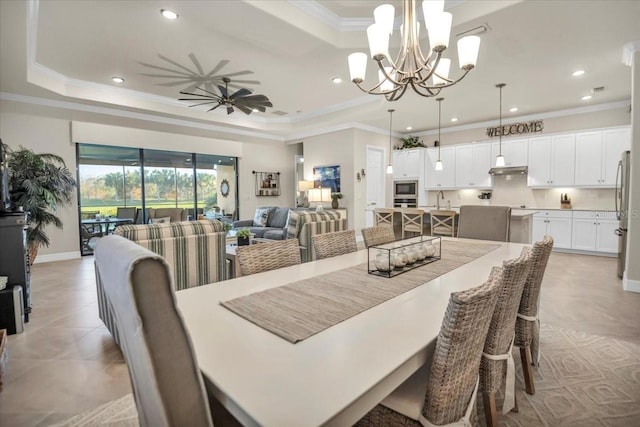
241 99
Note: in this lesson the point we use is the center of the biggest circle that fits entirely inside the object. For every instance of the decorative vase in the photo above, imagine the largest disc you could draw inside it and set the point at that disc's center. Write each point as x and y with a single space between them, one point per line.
412 255
431 250
334 203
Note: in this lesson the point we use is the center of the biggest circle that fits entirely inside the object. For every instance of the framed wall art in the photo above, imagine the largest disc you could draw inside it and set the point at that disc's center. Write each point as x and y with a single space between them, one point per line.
327 177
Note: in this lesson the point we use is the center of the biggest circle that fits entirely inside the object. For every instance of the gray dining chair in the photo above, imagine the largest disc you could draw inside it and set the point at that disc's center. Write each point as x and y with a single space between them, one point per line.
444 391
497 367
166 381
328 245
267 256
527 325
378 235
484 222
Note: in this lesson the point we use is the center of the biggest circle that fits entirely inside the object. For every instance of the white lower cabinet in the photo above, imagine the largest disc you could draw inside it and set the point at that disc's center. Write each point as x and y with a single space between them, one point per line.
594 231
556 224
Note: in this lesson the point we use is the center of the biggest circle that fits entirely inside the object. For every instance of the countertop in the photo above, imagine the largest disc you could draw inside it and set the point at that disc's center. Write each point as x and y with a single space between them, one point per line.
515 213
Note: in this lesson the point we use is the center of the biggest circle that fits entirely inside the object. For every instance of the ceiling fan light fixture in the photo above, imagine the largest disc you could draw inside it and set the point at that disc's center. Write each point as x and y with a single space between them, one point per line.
242 99
117 79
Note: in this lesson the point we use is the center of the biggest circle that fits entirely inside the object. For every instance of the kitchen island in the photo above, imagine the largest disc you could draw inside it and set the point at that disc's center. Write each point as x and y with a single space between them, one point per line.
519 232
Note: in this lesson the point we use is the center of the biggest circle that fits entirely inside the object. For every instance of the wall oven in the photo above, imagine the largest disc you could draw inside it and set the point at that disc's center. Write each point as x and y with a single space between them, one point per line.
405 189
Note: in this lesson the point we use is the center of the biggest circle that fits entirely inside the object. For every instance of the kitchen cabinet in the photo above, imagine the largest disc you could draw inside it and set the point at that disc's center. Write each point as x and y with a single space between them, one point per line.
597 156
408 164
557 224
444 179
594 231
552 161
473 162
513 150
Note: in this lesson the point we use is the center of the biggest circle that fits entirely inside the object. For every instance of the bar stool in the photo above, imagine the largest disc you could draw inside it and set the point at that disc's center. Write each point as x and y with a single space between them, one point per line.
443 223
384 216
412 221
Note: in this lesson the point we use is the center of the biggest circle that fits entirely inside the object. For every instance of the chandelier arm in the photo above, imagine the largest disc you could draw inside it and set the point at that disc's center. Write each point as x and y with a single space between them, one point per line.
372 91
425 90
450 82
395 95
386 75
430 69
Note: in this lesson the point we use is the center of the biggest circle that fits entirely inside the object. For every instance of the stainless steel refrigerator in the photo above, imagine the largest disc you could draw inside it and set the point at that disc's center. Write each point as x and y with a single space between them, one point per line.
622 207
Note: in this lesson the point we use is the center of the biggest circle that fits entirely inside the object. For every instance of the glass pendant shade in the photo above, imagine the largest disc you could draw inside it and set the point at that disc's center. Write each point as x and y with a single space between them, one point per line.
442 72
384 16
430 9
439 30
386 84
378 41
439 165
468 48
500 161
357 66
389 169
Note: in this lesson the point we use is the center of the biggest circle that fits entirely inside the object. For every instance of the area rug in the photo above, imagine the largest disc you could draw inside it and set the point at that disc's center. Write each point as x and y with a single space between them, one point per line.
583 380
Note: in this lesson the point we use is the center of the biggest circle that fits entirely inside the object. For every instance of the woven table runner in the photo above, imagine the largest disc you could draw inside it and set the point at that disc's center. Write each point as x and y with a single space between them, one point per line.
301 309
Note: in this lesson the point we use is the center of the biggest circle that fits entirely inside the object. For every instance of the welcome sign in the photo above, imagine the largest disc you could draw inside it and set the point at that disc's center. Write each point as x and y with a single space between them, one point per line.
516 129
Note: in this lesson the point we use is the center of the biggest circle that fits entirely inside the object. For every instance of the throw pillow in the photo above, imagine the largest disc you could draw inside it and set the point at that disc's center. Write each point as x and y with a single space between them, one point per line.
261 217
279 217
160 220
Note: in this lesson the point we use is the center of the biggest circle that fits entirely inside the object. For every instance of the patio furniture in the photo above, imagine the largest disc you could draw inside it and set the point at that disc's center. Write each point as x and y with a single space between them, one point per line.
267 256
378 235
333 244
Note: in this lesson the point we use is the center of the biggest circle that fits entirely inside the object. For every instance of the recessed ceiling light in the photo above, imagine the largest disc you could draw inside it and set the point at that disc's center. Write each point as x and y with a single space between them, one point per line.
409 128
117 79
255 110
169 14
577 73
219 161
454 119
513 109
336 80
586 97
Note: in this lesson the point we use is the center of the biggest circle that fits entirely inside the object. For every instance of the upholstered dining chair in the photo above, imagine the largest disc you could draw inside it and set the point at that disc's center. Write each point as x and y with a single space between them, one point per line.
166 381
412 221
444 391
443 223
333 244
527 322
384 216
496 356
268 256
378 235
485 222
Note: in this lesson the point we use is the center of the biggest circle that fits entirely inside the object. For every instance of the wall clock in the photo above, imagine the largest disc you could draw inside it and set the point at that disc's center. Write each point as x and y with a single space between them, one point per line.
224 188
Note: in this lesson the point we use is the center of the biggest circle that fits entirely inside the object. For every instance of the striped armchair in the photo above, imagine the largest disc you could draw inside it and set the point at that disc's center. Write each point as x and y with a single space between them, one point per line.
304 224
194 250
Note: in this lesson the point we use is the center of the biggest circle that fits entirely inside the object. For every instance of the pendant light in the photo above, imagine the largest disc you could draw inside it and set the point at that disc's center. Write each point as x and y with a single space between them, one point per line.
389 167
500 157
439 162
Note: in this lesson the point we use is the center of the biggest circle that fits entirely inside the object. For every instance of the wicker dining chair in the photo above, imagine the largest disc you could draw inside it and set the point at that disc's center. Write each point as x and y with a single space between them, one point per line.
527 323
412 221
443 223
377 235
268 256
384 216
453 381
496 357
328 245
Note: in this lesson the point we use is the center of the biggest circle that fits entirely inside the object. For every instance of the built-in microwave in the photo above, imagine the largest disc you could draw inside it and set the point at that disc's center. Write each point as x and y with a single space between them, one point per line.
405 189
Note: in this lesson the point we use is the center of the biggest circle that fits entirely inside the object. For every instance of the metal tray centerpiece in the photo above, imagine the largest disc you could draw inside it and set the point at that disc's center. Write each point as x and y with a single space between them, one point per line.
400 256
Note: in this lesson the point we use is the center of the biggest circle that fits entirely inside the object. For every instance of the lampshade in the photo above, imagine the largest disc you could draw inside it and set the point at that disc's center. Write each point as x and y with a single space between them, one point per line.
384 16
439 165
305 185
378 41
319 195
442 72
468 48
439 29
431 9
357 66
500 160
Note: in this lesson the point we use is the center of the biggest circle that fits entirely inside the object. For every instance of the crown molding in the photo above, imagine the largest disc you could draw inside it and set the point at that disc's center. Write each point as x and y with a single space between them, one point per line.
295 137
538 116
74 106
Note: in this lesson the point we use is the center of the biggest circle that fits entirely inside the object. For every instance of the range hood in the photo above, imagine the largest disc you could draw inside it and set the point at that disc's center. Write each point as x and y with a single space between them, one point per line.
511 170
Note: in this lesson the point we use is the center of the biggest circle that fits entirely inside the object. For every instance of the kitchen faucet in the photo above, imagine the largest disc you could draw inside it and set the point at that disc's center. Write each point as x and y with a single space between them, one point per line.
438 196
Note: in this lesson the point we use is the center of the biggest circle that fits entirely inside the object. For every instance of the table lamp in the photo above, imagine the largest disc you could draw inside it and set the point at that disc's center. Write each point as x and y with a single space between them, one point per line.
319 195
303 187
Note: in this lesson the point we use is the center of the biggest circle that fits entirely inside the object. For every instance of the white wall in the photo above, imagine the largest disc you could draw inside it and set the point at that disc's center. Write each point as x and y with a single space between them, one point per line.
48 129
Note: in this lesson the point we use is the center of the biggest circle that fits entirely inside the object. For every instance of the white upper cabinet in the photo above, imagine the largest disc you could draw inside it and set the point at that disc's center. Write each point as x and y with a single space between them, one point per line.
408 164
444 179
597 155
552 161
473 162
513 150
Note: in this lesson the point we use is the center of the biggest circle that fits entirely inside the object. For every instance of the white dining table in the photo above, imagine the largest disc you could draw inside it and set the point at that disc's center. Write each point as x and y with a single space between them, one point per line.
336 376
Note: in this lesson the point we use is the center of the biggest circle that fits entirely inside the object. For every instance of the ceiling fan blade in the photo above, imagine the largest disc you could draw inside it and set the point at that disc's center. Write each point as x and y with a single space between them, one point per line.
211 109
240 93
199 95
256 98
229 109
244 108
223 91
203 103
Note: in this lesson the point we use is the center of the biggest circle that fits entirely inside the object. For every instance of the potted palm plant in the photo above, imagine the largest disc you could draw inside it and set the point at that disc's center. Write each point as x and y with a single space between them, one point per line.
39 183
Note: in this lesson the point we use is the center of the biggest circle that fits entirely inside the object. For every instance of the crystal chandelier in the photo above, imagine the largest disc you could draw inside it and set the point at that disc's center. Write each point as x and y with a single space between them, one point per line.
427 76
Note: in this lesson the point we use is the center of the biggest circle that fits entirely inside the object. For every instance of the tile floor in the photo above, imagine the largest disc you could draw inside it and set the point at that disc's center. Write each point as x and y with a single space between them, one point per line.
66 362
